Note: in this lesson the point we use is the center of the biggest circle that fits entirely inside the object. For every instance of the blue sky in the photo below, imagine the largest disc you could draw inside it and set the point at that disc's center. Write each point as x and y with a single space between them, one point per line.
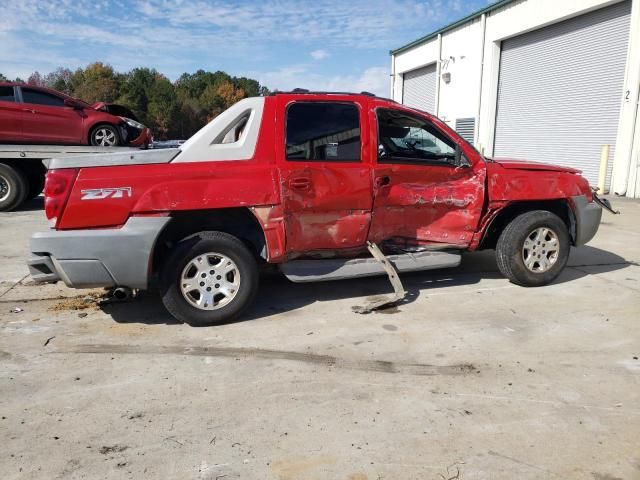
322 44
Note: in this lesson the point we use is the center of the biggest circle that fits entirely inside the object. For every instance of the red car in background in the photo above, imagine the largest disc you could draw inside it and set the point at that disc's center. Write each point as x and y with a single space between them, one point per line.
30 114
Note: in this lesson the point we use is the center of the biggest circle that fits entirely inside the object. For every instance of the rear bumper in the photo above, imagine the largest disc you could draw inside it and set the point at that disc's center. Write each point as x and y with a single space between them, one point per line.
97 258
588 215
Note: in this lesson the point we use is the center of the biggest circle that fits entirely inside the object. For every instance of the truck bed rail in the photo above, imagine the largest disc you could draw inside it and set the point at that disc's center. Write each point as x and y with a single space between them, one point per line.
49 151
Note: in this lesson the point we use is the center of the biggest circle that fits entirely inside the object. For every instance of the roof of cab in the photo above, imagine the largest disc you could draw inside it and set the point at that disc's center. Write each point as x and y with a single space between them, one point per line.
304 91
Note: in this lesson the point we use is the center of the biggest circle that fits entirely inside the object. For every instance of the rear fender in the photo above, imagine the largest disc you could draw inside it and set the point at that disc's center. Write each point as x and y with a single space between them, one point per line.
260 228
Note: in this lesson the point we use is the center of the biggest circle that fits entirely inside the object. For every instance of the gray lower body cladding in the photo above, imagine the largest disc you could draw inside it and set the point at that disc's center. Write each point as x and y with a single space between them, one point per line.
588 215
341 269
97 258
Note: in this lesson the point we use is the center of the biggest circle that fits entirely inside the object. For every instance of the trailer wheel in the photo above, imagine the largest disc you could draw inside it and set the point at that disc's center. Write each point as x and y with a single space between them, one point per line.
533 249
210 278
13 187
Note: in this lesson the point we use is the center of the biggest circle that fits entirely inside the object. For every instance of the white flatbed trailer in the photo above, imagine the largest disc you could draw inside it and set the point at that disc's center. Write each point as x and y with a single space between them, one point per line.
22 170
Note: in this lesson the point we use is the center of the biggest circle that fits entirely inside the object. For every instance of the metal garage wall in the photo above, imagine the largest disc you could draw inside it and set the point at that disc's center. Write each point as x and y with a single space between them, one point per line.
419 88
560 90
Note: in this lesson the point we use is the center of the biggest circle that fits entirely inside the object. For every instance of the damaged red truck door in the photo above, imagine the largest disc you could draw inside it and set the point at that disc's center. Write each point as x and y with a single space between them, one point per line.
324 173
422 195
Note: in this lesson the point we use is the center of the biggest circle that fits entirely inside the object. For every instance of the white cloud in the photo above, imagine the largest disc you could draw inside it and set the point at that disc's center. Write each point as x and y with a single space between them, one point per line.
319 54
375 80
173 35
202 24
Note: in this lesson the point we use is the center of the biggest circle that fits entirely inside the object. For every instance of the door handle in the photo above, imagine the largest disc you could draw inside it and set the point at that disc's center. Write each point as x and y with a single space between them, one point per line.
300 183
382 181
29 110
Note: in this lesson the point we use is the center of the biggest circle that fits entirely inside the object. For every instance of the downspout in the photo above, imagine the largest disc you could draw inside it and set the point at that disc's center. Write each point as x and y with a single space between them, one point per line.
629 160
393 77
438 74
483 28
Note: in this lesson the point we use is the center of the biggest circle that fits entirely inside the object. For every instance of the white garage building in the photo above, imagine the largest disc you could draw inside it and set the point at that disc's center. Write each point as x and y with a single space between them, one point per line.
543 80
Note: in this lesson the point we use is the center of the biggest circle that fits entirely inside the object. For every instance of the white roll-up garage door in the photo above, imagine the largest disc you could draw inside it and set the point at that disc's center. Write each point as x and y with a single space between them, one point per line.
419 88
561 88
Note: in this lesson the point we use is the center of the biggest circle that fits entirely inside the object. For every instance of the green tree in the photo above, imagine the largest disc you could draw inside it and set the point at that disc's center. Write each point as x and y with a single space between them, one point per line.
191 117
162 107
96 83
135 90
60 80
217 98
250 86
36 79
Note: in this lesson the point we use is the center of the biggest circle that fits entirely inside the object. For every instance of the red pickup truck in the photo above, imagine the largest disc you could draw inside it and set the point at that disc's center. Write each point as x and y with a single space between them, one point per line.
312 182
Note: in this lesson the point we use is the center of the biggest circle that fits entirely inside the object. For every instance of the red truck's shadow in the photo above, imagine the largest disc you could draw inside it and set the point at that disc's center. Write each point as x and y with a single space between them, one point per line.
278 295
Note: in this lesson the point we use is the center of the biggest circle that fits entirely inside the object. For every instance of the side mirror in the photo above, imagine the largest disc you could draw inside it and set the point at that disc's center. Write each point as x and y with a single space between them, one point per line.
459 160
68 102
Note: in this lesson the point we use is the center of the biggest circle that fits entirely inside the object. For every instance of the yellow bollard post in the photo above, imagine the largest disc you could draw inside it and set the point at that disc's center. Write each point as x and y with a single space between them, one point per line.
604 161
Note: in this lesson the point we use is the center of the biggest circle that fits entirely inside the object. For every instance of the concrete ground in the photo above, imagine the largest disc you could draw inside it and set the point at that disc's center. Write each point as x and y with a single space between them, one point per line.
472 378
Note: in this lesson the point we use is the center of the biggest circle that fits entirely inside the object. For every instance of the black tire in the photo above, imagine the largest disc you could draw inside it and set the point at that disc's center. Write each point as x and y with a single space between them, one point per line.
101 133
13 187
188 250
510 253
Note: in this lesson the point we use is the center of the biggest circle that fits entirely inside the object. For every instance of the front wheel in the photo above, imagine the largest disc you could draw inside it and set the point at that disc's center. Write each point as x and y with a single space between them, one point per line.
105 136
533 249
210 278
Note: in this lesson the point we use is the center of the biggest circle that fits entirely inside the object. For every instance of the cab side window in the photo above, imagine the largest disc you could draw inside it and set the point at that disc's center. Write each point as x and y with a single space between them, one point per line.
323 131
41 98
410 139
7 95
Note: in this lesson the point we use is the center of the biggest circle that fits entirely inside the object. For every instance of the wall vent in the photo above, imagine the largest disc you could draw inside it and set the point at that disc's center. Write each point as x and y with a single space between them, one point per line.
466 128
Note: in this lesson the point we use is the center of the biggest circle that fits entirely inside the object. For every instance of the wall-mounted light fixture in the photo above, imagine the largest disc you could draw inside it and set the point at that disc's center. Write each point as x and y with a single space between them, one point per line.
446 77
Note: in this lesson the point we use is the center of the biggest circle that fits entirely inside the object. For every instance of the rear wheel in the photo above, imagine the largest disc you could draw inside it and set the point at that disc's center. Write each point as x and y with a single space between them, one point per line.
105 136
13 187
533 249
210 278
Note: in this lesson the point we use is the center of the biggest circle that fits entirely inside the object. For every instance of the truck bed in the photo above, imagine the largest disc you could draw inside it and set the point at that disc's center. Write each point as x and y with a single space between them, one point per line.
22 170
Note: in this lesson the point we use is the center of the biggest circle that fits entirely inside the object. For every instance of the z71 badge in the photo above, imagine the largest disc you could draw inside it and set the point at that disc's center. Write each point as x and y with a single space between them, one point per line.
102 193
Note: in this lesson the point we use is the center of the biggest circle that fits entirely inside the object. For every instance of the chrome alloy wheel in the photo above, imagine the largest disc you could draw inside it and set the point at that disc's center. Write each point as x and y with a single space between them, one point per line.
5 189
105 137
210 281
540 250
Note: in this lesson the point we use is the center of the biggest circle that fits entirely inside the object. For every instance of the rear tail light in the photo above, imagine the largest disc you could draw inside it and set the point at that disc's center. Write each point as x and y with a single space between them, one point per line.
57 188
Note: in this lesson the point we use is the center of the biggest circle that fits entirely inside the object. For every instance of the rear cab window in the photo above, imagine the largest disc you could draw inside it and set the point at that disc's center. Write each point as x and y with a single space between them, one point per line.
37 97
7 94
323 131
